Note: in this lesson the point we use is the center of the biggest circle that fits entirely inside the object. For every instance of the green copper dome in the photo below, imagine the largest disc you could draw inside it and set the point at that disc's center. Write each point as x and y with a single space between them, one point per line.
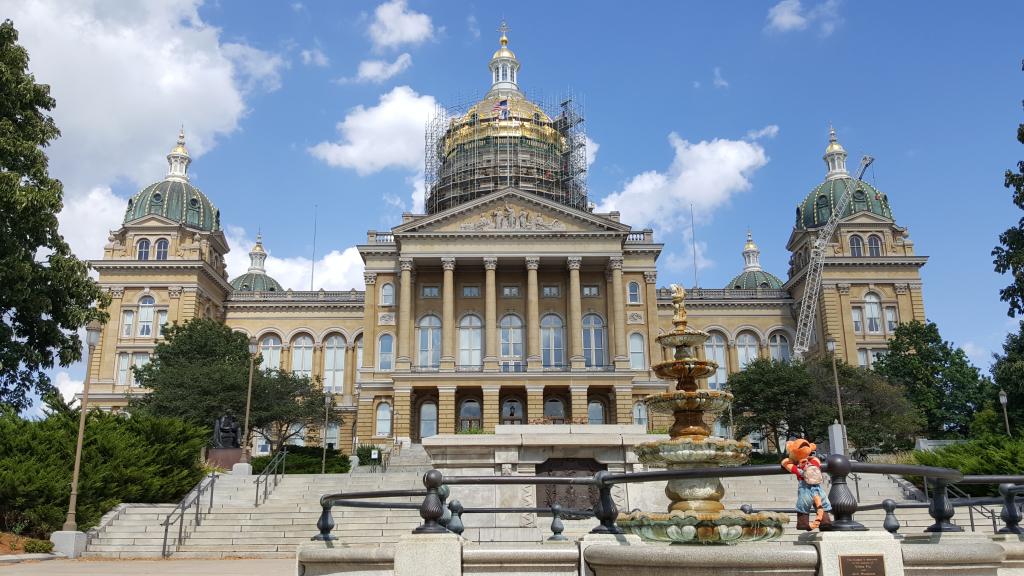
176 200
817 207
753 280
256 282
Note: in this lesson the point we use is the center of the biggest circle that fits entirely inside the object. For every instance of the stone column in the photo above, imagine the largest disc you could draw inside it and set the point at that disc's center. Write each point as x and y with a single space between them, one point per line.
534 403
369 321
623 404
533 359
847 338
446 409
448 315
402 412
904 309
349 375
579 402
364 419
404 359
732 357
619 306
491 407
490 316
575 313
317 363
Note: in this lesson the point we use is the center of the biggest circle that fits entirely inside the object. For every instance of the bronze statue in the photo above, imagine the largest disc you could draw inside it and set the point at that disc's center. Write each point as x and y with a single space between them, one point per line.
225 432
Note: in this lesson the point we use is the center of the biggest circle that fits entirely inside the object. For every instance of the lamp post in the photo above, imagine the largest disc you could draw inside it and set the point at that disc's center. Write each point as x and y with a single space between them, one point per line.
327 415
1006 419
830 343
253 349
92 338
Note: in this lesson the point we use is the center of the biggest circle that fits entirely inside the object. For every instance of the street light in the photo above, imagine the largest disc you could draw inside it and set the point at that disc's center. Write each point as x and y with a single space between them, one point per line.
1006 419
253 349
327 413
830 343
92 338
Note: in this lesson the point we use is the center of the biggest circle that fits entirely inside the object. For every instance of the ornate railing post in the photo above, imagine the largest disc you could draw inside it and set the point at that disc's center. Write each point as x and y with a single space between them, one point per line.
605 511
941 508
431 510
556 524
1010 514
891 523
325 524
455 522
443 492
844 503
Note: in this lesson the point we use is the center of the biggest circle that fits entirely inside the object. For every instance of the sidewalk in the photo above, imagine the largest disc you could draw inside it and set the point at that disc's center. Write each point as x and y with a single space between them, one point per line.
285 567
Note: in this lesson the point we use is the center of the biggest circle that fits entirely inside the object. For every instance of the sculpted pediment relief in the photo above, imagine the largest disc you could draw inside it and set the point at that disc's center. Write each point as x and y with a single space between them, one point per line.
508 216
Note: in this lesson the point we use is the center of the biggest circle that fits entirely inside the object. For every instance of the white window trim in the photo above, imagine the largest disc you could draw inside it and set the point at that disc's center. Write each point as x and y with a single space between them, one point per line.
478 290
518 294
423 291
597 291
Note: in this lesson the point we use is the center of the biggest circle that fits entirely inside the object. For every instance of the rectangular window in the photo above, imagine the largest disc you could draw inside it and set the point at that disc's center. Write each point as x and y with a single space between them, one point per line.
858 320
877 355
470 291
591 291
890 318
511 291
161 320
139 359
862 358
431 291
127 323
551 291
122 368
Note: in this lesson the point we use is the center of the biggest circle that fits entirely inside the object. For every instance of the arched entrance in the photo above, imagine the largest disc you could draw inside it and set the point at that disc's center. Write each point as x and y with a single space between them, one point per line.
428 419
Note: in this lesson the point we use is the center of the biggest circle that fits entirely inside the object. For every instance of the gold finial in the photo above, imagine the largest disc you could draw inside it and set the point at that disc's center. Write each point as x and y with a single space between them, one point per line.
678 296
504 29
750 242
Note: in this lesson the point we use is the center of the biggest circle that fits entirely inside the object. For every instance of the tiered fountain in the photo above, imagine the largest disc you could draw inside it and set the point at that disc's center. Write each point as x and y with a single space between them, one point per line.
696 514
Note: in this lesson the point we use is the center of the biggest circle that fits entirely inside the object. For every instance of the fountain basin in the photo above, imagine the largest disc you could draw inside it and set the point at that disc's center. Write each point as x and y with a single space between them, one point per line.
688 369
695 527
688 338
709 401
694 450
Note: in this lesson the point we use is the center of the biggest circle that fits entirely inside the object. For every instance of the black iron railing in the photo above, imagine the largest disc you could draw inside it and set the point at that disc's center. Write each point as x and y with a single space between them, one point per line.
272 473
177 516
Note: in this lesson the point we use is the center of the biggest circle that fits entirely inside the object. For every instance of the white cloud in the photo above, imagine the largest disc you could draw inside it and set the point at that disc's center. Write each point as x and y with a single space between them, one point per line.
298 6
769 131
978 354
789 15
395 24
66 385
706 173
258 68
827 16
696 83
474 27
88 218
336 270
419 189
380 70
388 135
314 57
592 148
718 80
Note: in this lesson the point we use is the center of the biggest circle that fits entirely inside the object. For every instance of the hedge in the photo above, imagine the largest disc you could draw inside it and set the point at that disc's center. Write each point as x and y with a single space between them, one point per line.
993 454
306 460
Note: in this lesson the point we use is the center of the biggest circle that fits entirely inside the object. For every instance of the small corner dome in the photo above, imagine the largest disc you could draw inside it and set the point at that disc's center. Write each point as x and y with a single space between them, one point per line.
755 280
817 206
256 282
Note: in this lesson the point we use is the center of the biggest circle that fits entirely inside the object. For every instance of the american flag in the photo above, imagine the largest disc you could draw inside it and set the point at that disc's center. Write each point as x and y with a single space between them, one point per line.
501 107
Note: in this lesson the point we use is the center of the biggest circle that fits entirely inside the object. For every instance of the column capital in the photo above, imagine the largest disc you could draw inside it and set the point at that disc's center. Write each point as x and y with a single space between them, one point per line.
532 262
615 263
651 277
448 263
405 263
901 288
843 288
490 263
370 278
574 262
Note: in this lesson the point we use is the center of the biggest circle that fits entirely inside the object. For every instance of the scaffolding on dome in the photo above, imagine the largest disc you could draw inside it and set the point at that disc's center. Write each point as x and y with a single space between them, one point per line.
530 144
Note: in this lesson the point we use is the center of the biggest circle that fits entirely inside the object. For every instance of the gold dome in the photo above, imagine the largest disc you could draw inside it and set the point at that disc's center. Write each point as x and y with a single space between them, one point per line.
524 119
750 242
179 148
503 52
833 143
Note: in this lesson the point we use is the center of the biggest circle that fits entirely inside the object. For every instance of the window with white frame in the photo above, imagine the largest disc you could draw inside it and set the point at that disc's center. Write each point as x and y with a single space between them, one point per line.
594 338
430 291
270 350
862 358
387 294
746 349
640 413
332 436
146 316
551 291
297 434
591 291
161 322
127 323
858 319
470 340
359 356
430 341
302 356
595 412
856 246
891 320
637 358
161 249
634 292
334 363
123 363
778 347
873 311
385 352
383 428
510 291
139 359
874 246
142 249
511 333
471 291
877 354
714 350
552 349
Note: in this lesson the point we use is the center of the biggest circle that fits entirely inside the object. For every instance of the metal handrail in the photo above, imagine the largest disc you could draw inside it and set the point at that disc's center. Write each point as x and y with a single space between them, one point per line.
276 463
193 497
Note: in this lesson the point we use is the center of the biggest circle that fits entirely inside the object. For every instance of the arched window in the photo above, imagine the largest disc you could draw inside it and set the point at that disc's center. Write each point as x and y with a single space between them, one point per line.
823 209
856 246
746 348
554 411
428 419
511 328
387 294
302 356
640 413
270 349
385 352
359 355
512 411
595 412
637 359
146 316
714 350
127 323
383 419
161 249
634 292
551 338
334 363
470 415
430 341
873 312
874 246
142 251
778 345
470 348
593 340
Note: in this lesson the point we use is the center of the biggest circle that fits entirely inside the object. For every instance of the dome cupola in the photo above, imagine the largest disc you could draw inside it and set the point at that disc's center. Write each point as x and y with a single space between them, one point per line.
504 66
835 157
753 277
256 278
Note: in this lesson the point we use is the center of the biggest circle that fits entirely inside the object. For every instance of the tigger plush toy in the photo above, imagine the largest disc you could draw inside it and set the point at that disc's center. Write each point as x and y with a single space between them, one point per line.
810 496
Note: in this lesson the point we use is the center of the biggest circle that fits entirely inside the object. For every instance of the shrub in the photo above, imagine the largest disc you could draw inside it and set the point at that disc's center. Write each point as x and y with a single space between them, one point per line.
474 430
993 455
306 460
364 451
33 546
757 458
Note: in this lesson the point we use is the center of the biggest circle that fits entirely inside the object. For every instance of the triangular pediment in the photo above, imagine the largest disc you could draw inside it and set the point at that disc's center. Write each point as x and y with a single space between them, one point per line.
511 211
864 217
153 220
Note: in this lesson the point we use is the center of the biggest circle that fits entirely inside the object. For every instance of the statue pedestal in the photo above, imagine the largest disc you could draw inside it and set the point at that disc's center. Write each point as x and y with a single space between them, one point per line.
224 457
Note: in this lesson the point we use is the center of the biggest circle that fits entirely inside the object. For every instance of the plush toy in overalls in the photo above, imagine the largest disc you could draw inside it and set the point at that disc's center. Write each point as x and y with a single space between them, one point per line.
810 496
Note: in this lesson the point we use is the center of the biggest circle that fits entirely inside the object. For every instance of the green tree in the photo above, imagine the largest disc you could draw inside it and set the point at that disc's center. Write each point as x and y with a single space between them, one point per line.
1008 373
46 294
283 404
1009 255
937 378
771 399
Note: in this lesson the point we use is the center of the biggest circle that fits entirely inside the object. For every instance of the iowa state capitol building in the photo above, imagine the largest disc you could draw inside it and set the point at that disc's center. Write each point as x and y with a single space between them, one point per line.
509 301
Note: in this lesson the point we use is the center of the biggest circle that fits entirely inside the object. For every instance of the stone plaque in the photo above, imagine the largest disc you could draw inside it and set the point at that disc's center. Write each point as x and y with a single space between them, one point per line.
569 497
873 565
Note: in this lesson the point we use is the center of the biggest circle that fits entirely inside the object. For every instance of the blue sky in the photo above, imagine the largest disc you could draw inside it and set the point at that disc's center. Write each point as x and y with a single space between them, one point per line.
726 105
